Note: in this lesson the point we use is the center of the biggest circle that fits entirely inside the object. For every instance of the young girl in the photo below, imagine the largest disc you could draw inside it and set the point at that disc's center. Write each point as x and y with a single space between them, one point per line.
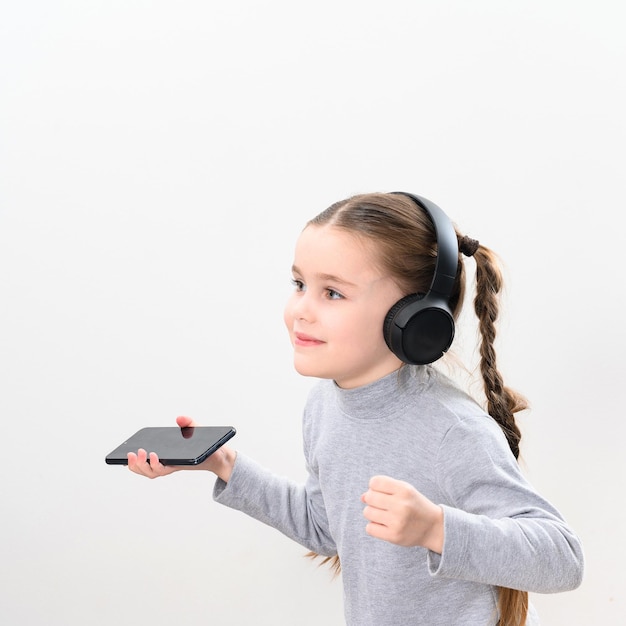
412 487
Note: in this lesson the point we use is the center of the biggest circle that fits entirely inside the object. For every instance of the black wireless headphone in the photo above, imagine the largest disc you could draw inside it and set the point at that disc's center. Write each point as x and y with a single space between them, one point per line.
419 328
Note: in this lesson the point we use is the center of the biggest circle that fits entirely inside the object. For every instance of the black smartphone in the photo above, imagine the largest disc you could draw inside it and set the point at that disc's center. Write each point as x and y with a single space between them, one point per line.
174 445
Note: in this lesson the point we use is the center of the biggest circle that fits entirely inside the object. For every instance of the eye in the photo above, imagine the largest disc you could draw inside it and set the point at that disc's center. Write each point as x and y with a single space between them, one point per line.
298 284
333 295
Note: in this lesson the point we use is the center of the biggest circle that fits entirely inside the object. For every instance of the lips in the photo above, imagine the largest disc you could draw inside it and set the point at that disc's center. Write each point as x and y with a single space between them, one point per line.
304 340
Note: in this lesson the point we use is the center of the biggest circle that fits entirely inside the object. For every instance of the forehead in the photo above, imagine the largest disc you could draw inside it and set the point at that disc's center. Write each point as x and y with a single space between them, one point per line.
334 251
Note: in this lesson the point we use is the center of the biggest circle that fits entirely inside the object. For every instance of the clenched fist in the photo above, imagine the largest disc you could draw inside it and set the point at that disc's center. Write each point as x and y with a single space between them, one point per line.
400 514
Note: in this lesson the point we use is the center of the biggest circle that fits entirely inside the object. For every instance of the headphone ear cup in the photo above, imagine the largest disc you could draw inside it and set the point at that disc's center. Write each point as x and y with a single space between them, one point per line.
418 329
388 324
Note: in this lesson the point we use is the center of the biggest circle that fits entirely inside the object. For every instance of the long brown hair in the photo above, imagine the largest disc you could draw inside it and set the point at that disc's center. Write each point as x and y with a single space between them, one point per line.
404 239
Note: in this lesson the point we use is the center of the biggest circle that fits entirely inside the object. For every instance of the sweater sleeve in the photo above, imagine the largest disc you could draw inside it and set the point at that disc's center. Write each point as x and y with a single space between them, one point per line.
294 509
498 530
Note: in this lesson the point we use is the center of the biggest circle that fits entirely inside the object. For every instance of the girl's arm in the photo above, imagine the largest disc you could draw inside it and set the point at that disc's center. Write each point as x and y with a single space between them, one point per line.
295 510
494 527
497 529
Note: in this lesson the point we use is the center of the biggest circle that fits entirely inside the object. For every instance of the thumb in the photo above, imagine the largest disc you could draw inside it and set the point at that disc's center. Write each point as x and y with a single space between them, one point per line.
185 422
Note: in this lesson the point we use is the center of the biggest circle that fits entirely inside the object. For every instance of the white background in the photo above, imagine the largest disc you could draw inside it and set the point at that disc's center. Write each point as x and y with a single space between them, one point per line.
157 161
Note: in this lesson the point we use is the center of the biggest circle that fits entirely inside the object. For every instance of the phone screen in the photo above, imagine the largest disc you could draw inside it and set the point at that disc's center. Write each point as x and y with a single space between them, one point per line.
173 445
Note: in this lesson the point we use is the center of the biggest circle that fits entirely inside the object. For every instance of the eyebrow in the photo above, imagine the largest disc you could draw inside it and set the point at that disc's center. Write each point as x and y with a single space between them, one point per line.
326 277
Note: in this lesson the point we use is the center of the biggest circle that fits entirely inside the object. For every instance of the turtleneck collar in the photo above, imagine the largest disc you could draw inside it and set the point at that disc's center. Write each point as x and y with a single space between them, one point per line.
383 398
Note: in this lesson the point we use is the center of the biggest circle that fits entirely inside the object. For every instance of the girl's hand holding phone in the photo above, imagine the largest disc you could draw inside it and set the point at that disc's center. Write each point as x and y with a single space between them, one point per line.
400 514
147 464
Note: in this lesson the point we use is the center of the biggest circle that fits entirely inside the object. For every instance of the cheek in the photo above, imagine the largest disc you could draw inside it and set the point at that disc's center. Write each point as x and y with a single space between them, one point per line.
372 329
363 331
288 313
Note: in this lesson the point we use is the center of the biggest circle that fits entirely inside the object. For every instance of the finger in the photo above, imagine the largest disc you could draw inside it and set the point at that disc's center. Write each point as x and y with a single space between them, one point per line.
138 462
379 531
185 422
374 515
158 469
384 484
142 457
155 464
377 499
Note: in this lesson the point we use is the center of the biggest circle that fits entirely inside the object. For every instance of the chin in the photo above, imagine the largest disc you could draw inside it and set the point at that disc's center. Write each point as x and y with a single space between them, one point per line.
305 369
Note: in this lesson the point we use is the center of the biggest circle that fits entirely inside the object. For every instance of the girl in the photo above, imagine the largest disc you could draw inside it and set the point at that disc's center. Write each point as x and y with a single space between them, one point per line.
412 487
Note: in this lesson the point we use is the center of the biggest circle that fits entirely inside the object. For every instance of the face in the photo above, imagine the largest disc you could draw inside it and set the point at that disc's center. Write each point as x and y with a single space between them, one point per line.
336 312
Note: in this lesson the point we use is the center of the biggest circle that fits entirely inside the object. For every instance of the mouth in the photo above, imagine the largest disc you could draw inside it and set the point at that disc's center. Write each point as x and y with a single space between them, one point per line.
301 339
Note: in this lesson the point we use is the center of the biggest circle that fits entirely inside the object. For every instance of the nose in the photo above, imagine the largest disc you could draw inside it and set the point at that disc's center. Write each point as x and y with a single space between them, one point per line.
300 306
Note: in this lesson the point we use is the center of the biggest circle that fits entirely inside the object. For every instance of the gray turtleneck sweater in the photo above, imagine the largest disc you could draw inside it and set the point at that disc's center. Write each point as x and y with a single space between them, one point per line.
414 425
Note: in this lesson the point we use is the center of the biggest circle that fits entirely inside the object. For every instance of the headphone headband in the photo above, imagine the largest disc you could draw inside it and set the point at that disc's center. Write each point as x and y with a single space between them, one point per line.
447 246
